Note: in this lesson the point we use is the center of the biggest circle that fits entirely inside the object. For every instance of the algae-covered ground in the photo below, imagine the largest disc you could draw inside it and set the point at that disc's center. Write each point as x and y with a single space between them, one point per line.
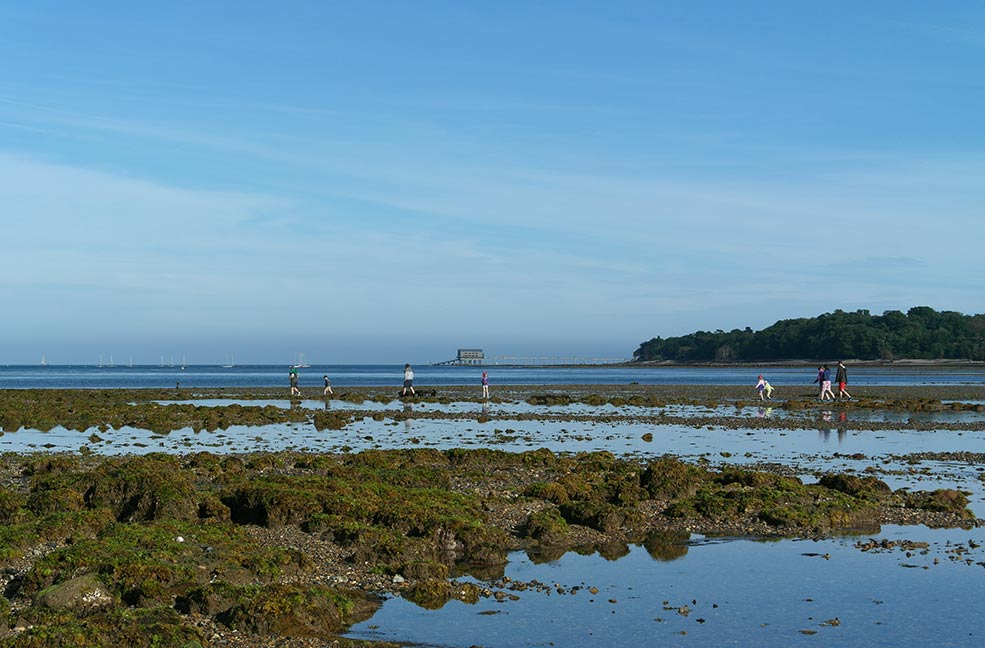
291 548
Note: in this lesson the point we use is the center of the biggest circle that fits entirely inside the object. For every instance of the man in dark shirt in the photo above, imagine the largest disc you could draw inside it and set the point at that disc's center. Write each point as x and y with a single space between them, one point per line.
842 379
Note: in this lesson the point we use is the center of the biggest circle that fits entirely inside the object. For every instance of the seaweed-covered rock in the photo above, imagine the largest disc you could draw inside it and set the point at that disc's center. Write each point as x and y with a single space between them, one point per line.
863 487
147 565
942 500
297 611
143 489
11 507
550 491
670 478
81 594
602 516
484 545
277 500
549 399
430 594
424 570
160 627
547 526
331 420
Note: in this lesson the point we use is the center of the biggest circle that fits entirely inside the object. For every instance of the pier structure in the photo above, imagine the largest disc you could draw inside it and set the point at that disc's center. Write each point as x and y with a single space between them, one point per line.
465 357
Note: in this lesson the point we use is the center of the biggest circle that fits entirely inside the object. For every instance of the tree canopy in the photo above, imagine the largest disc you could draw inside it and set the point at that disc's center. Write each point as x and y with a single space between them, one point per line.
920 333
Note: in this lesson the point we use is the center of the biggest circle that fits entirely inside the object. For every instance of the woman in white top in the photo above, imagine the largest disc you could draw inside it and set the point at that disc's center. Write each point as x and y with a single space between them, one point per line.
408 381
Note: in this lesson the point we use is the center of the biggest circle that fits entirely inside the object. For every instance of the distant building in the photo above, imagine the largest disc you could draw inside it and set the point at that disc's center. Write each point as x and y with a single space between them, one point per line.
470 357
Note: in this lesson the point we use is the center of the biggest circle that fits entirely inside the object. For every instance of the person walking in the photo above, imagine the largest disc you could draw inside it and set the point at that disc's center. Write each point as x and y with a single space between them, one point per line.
826 383
761 387
820 381
408 381
328 385
841 377
485 385
293 376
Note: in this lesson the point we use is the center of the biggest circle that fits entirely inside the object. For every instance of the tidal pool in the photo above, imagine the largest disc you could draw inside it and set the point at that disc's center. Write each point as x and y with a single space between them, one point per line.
514 408
724 593
806 452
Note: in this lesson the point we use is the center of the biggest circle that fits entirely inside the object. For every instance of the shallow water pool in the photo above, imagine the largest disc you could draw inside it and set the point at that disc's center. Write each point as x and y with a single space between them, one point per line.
723 593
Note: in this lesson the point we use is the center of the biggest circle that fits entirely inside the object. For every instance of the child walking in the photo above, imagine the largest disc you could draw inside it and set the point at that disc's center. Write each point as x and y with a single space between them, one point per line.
826 383
765 389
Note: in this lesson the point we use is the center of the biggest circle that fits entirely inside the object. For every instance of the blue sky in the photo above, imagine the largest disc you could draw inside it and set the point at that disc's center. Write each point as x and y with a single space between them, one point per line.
389 181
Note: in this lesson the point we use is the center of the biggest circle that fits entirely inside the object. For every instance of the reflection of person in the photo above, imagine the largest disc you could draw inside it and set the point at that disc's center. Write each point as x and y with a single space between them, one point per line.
328 385
408 381
293 375
408 415
826 383
485 385
842 379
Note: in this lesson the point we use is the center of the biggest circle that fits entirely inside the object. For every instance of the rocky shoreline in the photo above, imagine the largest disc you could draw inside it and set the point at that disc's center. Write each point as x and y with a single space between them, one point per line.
290 548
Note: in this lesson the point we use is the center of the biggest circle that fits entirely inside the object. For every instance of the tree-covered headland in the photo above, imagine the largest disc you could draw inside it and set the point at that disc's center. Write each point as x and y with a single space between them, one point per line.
919 333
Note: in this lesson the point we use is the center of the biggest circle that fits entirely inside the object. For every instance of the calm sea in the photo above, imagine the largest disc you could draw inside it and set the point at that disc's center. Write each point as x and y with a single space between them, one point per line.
150 376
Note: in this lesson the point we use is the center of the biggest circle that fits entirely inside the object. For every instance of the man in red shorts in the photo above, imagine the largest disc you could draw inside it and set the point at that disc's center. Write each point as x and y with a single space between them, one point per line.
842 379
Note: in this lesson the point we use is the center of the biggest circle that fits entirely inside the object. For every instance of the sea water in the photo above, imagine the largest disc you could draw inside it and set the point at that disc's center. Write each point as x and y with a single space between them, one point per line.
202 376
722 592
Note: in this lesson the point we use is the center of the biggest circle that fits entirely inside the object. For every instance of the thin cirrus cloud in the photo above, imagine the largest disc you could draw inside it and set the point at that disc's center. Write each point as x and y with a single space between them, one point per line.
519 175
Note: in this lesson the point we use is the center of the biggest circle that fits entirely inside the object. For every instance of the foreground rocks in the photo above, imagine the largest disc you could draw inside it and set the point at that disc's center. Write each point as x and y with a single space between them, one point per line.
210 550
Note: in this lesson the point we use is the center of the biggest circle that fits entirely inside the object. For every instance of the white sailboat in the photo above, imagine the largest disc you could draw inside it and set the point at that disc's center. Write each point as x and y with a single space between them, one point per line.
44 363
301 363
230 362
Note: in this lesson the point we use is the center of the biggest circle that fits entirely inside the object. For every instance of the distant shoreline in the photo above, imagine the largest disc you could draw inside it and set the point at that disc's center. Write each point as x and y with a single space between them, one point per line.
656 364
887 364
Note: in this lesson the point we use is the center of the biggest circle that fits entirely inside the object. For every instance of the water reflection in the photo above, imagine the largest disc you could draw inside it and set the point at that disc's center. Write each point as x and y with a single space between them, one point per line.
407 415
825 431
666 545
726 592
